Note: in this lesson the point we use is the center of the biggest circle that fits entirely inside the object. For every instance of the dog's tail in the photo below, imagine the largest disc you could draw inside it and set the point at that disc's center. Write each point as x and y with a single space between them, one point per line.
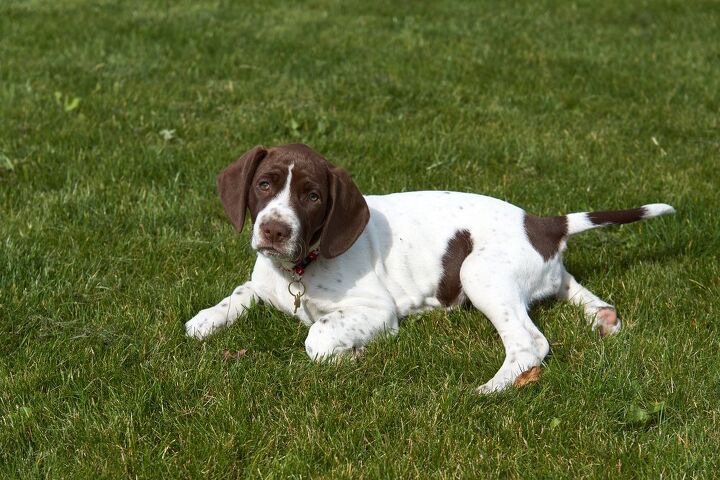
581 221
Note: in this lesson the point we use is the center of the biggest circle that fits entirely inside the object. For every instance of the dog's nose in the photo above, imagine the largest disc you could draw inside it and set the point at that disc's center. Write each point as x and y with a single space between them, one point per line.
275 231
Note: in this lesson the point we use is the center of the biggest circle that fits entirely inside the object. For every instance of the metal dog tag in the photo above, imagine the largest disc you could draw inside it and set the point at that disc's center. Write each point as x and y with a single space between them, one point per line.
298 295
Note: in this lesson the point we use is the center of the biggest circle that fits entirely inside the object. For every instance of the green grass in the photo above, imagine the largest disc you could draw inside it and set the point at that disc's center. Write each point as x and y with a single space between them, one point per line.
113 236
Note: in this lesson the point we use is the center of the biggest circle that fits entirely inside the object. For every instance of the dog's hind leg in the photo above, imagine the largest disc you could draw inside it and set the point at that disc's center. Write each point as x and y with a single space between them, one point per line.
499 299
600 314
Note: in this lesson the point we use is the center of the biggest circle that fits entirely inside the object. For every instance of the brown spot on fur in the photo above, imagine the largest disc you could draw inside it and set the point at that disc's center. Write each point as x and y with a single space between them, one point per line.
617 216
457 250
545 234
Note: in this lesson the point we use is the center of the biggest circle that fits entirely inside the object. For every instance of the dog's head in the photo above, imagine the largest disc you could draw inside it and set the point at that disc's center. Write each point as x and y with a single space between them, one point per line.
297 201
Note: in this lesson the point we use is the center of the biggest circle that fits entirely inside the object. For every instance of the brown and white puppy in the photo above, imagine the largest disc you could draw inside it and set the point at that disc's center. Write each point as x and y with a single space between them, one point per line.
350 266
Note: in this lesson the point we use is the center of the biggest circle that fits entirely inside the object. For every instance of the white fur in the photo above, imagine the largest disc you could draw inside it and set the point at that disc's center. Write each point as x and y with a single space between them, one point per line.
657 209
394 268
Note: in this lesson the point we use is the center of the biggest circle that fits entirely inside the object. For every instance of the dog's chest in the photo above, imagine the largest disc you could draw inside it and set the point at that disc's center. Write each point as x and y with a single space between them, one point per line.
306 298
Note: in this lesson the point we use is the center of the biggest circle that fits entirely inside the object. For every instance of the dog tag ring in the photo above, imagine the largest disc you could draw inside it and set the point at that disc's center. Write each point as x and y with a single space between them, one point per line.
300 292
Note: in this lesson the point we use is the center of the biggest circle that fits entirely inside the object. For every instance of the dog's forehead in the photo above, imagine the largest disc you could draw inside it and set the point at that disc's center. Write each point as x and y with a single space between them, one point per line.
305 161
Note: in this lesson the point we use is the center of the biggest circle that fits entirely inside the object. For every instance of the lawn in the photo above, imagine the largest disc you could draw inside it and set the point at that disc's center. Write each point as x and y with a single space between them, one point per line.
115 118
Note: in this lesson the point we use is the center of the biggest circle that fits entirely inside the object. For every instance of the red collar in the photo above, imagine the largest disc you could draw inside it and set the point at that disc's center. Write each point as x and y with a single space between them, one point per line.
299 269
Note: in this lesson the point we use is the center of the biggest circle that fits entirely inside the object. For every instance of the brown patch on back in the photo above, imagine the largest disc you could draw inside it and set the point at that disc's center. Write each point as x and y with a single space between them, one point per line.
457 250
617 216
545 234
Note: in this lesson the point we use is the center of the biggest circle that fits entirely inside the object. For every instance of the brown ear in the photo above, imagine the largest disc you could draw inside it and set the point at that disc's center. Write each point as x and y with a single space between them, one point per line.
234 184
347 217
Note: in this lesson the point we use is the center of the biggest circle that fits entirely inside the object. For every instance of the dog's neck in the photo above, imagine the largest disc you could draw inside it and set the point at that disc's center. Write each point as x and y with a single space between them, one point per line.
296 268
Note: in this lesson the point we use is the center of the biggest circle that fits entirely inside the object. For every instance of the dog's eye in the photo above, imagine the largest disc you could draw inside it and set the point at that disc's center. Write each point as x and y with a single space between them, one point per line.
264 185
313 197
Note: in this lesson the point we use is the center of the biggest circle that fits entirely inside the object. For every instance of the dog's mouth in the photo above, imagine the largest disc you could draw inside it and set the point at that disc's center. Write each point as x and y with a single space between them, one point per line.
272 252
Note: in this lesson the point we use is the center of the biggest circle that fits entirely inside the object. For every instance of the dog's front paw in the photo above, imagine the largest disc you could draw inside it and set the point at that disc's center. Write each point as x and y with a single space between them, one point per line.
606 321
322 345
204 323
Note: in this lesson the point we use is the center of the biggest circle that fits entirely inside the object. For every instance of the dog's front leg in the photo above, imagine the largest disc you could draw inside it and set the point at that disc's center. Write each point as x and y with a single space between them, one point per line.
222 314
347 330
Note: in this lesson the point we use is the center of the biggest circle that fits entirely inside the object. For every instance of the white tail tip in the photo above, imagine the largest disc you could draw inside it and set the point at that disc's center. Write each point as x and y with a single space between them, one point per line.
657 209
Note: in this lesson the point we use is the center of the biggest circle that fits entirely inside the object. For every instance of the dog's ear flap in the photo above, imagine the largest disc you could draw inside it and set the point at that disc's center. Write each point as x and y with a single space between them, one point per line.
234 184
347 217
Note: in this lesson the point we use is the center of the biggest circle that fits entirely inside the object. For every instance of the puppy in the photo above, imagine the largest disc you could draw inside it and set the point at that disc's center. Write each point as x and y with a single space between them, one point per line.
351 266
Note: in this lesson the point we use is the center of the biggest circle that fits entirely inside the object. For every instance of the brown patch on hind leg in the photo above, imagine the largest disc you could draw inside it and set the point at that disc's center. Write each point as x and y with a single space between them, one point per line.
607 321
